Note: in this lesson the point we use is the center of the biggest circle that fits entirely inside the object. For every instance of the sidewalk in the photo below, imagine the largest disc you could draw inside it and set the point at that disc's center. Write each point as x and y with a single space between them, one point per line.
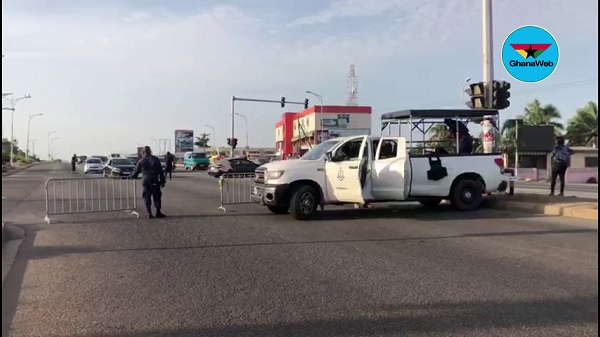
573 207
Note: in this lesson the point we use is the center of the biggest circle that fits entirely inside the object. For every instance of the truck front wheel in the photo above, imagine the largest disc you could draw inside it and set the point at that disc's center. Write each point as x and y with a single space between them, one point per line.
467 195
304 203
277 209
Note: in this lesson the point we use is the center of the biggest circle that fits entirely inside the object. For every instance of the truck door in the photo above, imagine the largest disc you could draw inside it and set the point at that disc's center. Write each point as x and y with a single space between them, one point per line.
344 168
390 176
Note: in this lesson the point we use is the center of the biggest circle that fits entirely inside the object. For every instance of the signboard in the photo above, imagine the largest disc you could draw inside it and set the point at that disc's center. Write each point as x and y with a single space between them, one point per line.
335 133
535 138
184 141
341 121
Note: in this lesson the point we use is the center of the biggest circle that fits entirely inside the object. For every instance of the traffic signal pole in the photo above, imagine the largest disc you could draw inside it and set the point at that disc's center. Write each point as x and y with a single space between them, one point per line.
488 73
283 102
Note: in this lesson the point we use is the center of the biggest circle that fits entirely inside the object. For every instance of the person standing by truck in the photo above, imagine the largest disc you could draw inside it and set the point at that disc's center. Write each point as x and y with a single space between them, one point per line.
73 163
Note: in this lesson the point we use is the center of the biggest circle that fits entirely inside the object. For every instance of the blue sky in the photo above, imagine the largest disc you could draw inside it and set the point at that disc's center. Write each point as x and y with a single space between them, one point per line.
114 73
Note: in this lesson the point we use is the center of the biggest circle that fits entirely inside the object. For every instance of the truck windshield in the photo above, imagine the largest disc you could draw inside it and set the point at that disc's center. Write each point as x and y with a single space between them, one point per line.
198 155
319 151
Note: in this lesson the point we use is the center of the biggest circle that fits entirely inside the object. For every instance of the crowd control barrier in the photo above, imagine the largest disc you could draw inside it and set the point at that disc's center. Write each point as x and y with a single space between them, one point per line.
81 195
235 189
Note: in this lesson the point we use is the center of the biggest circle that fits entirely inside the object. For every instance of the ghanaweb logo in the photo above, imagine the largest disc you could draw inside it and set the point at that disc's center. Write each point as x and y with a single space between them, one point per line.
530 54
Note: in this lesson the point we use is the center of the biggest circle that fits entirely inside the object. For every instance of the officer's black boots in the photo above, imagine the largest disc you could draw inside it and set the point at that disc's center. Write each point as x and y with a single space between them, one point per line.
159 214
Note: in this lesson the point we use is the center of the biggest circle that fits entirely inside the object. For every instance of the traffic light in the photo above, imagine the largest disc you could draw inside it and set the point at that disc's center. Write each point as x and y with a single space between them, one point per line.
228 141
476 91
501 95
234 142
306 103
283 102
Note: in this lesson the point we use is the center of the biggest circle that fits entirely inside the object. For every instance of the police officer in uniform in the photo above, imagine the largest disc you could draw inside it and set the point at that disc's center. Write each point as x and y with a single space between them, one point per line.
153 180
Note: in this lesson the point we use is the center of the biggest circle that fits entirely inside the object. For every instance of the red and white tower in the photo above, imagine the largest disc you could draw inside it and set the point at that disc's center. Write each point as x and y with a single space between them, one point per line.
352 87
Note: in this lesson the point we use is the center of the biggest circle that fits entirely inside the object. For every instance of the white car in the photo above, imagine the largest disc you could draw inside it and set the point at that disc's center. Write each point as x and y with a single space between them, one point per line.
368 169
93 165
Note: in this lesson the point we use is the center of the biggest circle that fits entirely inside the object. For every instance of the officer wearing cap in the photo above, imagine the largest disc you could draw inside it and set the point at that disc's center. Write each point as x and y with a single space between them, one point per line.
153 180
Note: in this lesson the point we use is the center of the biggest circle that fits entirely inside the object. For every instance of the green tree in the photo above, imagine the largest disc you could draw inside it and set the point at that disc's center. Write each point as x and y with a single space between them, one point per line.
582 129
441 137
203 140
536 114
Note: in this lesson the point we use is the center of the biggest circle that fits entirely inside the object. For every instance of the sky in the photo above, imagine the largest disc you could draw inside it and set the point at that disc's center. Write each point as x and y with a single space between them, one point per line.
113 74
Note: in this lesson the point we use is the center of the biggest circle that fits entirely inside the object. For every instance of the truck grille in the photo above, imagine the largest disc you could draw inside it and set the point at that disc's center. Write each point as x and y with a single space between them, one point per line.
259 176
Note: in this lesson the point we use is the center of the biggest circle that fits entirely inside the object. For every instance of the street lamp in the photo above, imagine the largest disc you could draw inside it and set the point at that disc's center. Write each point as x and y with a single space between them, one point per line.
52 141
32 116
462 88
13 103
212 128
246 121
33 141
50 134
320 97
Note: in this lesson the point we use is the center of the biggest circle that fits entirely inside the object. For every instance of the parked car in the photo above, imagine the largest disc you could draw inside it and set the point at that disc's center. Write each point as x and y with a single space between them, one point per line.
81 159
93 165
231 165
118 167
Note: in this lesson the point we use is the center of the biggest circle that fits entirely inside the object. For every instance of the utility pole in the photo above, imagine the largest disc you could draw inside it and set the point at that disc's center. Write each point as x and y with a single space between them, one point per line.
488 56
13 103
50 134
28 131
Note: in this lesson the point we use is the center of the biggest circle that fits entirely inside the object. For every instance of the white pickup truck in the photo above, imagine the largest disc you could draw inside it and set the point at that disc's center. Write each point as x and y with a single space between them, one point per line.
371 169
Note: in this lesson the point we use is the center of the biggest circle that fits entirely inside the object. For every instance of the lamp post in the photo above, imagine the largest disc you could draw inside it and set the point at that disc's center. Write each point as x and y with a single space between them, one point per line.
13 103
50 134
32 116
33 146
212 128
462 88
52 141
246 121
320 97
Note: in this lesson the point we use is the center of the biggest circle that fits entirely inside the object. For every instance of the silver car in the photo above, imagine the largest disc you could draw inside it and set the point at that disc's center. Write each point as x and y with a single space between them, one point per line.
93 165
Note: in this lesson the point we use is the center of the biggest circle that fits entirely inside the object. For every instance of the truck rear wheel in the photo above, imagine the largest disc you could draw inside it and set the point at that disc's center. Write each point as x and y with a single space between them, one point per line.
466 195
430 201
277 209
304 203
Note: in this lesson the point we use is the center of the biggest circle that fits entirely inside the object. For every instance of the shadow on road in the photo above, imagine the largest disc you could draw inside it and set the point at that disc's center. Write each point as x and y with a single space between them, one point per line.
36 253
461 318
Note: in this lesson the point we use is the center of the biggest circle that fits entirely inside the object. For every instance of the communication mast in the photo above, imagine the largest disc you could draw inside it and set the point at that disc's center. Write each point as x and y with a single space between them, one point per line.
352 87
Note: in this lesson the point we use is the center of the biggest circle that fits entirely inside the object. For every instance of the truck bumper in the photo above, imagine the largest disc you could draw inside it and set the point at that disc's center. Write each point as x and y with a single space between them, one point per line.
269 195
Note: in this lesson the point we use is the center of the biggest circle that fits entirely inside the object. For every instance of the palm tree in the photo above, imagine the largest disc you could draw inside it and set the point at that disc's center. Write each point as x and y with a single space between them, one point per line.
536 114
582 129
202 141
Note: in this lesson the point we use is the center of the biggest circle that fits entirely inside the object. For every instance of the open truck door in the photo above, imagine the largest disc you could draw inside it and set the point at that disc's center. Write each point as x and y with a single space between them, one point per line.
344 168
390 174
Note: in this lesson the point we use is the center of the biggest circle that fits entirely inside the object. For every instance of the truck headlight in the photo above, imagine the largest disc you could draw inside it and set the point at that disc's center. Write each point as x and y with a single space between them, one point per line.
274 175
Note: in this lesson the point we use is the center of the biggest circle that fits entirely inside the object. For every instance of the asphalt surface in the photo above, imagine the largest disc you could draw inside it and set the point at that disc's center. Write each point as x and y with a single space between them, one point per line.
588 191
390 271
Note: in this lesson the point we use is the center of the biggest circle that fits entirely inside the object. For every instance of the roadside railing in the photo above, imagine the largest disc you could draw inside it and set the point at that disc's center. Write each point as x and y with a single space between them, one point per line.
235 189
81 195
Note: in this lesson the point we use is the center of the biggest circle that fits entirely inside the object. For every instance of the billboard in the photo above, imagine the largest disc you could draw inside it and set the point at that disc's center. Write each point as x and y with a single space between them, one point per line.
184 141
536 138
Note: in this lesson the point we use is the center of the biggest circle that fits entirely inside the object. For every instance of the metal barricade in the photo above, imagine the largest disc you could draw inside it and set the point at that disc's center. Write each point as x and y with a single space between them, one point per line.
81 195
235 189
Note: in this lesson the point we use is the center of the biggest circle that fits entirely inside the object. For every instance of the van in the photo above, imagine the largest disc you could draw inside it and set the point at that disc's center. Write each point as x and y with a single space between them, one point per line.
196 161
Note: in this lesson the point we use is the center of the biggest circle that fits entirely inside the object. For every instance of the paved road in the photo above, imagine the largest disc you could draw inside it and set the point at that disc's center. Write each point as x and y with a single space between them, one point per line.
387 272
589 191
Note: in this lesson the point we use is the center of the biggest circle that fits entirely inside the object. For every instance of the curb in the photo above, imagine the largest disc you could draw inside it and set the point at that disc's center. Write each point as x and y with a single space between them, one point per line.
17 170
588 211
